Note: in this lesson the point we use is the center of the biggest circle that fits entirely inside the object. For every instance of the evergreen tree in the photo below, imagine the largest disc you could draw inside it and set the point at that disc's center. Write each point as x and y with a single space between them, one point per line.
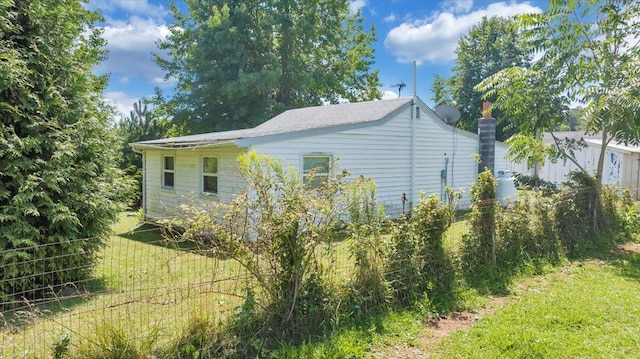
142 124
60 187
239 63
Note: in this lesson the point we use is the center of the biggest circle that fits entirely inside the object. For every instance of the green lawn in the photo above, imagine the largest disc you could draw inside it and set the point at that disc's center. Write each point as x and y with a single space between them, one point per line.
145 288
590 309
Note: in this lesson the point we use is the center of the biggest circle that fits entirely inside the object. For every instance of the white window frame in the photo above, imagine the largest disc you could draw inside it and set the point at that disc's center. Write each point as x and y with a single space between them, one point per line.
305 173
165 171
204 174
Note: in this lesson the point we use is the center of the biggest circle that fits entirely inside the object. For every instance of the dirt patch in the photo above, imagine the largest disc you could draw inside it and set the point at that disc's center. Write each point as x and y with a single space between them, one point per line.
628 248
426 342
444 325
437 328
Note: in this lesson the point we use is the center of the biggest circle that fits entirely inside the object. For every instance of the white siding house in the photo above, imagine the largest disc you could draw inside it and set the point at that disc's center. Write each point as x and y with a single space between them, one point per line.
401 144
621 162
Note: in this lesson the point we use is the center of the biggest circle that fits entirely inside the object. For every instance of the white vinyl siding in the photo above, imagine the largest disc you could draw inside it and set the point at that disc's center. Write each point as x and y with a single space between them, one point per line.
162 202
381 151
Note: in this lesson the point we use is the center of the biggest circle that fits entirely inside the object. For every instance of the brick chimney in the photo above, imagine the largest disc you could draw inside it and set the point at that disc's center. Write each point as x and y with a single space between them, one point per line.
487 139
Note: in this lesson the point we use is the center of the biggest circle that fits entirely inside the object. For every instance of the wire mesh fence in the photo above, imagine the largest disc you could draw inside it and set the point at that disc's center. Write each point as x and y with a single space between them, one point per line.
146 283
150 284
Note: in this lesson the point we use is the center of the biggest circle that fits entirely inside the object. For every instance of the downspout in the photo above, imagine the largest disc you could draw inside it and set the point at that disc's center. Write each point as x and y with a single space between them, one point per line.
413 140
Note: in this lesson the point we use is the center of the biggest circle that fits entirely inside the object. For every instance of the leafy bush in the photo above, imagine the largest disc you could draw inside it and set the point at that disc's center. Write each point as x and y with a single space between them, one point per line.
369 288
405 265
629 217
585 214
527 233
419 264
275 230
535 183
478 250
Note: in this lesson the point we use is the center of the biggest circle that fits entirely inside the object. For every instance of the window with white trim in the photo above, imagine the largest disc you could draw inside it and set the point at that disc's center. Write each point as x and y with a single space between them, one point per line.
315 169
210 175
168 171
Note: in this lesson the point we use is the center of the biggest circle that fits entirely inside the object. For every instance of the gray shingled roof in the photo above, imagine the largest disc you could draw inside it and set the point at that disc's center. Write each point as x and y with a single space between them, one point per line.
291 121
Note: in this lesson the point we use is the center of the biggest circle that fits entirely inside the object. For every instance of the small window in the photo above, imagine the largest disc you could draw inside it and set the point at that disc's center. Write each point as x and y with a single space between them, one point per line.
210 175
168 171
316 168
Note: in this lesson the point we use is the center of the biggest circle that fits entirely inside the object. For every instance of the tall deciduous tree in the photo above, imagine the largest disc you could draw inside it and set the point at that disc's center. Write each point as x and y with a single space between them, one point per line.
60 187
590 54
239 63
490 46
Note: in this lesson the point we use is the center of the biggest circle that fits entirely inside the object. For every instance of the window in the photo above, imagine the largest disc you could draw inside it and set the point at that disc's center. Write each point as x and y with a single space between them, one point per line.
315 168
210 175
168 171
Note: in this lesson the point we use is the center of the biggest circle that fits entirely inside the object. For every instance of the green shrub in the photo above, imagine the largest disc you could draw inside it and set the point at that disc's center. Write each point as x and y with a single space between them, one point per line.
478 249
418 263
629 217
276 230
405 265
430 221
527 233
369 288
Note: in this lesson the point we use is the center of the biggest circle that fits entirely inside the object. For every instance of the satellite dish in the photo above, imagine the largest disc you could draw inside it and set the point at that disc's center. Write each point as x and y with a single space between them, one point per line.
450 115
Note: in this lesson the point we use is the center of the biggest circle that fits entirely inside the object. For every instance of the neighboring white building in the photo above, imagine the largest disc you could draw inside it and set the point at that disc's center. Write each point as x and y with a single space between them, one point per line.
621 166
401 144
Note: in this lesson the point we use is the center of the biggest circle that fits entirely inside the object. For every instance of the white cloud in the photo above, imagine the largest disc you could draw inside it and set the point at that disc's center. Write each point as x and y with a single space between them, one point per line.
356 5
435 39
457 6
131 44
389 95
122 102
390 18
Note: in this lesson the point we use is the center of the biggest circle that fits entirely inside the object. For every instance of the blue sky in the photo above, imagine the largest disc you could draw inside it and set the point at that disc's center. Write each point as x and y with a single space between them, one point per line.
426 31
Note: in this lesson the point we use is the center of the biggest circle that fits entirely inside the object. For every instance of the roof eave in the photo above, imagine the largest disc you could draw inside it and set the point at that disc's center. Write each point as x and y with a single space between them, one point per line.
179 145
